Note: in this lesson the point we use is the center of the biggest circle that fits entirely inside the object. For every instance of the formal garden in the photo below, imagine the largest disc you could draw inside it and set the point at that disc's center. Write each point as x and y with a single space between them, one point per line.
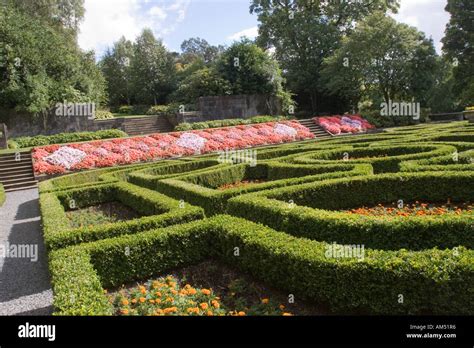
367 224
323 166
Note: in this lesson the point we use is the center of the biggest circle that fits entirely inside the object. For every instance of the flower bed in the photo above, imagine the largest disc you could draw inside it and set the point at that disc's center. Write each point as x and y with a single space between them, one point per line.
56 159
336 125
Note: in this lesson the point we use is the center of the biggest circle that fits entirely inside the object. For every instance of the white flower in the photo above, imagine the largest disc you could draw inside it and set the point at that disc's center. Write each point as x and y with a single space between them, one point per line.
66 157
191 141
283 129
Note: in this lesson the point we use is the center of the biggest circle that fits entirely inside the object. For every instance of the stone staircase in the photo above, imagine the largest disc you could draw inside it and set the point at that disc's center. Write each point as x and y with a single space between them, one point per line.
318 131
146 125
16 172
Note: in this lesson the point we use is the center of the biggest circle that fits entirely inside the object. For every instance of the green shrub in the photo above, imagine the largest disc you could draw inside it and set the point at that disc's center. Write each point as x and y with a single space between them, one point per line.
316 213
432 280
12 144
160 211
125 110
157 109
185 126
62 138
383 158
199 188
227 122
103 115
3 196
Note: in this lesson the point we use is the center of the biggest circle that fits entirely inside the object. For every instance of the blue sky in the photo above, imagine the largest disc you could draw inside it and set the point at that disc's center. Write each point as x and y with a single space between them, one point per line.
217 21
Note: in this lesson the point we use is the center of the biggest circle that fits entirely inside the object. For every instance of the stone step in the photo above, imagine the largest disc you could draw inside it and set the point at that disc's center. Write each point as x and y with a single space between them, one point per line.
10 176
27 184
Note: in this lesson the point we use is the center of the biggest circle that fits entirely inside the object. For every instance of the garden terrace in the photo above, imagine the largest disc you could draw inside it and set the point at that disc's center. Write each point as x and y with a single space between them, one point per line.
300 200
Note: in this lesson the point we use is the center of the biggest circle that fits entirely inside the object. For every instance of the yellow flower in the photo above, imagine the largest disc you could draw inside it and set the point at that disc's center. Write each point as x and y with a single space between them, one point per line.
169 299
265 300
206 291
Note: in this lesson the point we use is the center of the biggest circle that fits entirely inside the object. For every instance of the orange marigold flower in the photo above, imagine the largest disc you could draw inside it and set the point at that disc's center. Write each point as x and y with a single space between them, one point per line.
204 305
170 310
241 314
286 314
210 314
134 300
282 307
265 301
173 291
215 304
124 311
206 291
152 300
158 294
192 291
142 299
125 302
169 299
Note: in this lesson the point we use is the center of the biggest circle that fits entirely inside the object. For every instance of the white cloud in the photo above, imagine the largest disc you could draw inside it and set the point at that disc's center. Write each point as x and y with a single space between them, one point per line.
158 12
106 21
428 16
250 33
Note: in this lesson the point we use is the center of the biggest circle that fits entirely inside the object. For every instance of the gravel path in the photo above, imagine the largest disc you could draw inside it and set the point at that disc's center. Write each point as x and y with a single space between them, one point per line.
24 279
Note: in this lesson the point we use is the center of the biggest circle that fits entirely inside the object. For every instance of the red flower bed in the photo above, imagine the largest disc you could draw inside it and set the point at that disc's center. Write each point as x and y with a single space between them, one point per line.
54 159
343 124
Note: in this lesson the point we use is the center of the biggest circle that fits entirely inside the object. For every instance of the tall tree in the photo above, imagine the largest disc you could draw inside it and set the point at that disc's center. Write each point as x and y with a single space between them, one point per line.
304 32
458 44
64 13
41 66
152 69
382 59
197 48
115 66
251 70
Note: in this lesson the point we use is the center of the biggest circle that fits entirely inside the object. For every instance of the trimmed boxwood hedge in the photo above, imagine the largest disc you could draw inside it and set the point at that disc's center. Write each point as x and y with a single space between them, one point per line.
160 211
98 176
315 213
390 163
3 196
62 138
432 280
200 188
